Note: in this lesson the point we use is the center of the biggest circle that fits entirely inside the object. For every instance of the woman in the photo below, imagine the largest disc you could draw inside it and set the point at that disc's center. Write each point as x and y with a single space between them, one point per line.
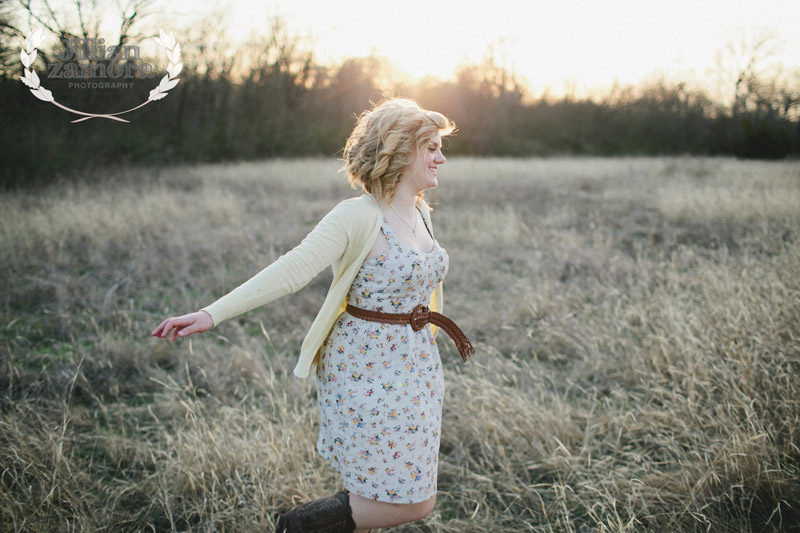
378 371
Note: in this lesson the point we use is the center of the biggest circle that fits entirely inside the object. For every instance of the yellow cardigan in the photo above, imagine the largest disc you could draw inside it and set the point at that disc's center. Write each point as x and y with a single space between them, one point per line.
343 238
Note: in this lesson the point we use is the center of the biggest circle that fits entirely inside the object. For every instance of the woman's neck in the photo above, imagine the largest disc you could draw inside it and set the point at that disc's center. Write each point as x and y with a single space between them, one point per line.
404 202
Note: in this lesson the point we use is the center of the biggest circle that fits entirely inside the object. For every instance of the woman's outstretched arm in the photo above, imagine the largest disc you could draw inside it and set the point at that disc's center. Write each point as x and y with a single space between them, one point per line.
292 271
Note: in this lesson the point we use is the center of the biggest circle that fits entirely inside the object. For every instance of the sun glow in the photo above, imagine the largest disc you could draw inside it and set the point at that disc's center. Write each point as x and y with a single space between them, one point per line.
553 46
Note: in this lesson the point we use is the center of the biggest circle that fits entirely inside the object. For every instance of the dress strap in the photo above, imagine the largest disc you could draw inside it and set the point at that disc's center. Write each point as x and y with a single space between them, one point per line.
391 240
430 231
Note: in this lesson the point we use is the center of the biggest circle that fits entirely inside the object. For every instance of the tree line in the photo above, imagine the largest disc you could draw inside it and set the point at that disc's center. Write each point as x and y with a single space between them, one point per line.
272 99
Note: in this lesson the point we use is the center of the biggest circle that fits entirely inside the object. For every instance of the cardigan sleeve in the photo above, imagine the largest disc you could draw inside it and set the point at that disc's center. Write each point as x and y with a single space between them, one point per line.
292 271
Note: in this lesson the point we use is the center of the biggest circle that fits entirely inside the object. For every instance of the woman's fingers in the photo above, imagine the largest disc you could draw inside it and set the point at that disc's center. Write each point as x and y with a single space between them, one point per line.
172 323
160 328
163 329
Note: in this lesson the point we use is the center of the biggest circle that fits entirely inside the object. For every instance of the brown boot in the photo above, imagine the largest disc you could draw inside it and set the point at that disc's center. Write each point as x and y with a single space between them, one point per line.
331 514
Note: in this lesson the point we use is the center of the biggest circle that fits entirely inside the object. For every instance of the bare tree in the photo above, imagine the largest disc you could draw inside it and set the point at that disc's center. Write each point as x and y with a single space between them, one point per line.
27 15
208 46
744 63
494 77
778 94
8 32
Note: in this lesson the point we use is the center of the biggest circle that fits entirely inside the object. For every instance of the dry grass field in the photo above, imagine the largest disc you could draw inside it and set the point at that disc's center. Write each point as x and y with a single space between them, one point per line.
636 323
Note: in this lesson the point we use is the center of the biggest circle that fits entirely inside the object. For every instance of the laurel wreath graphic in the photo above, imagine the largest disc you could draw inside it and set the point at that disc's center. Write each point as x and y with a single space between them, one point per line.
35 39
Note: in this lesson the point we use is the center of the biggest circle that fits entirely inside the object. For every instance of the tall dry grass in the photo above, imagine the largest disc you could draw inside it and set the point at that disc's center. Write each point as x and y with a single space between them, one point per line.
636 325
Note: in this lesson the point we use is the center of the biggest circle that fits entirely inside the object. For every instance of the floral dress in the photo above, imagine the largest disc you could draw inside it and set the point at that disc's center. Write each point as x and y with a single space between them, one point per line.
380 386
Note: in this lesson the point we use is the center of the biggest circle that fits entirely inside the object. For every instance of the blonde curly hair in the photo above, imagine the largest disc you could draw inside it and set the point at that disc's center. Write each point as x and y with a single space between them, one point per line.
383 141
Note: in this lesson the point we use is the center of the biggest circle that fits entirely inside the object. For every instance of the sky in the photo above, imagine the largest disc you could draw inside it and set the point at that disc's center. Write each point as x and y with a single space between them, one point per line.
558 45
554 45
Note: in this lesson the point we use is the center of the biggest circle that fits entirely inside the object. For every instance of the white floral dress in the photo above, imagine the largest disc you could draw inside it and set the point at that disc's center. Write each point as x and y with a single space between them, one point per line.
380 386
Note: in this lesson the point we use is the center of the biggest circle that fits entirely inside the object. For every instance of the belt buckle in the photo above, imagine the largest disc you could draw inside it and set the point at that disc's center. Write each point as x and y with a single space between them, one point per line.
420 316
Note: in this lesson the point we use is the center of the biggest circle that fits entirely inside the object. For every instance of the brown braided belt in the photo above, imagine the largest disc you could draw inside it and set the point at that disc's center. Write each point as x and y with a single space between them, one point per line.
417 318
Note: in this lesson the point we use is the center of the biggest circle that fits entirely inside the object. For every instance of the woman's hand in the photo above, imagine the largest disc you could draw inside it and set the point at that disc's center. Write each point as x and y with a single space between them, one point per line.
184 325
